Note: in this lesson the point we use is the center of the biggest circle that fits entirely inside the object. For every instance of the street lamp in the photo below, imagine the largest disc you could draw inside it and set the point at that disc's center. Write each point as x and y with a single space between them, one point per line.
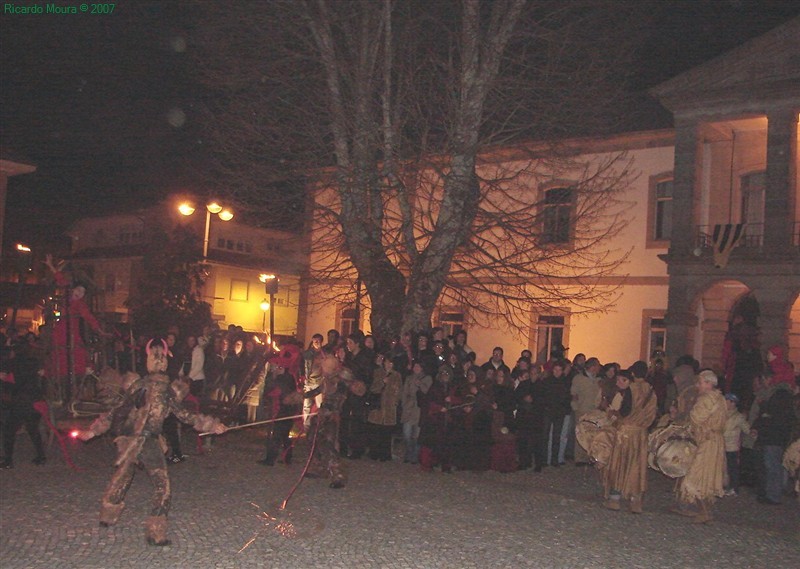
24 263
271 288
214 207
264 307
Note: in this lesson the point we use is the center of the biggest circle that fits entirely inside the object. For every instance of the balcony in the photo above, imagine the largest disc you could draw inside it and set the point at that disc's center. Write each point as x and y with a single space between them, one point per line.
752 237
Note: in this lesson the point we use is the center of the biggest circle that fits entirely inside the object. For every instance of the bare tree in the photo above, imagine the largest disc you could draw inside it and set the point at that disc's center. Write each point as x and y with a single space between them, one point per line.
400 115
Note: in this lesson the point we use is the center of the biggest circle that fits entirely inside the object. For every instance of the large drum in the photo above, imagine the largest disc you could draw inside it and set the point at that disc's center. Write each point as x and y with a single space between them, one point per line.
594 433
671 450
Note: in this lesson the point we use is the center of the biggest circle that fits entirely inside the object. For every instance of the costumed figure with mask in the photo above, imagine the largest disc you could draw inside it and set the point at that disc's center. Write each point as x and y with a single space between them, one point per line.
138 421
335 382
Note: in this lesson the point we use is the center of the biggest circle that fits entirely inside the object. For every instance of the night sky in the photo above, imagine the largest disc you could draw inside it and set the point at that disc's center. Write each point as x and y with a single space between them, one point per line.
103 104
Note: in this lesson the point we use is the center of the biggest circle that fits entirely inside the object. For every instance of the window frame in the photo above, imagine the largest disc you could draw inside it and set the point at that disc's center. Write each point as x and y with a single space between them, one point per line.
544 236
652 205
451 326
645 346
246 284
341 318
533 340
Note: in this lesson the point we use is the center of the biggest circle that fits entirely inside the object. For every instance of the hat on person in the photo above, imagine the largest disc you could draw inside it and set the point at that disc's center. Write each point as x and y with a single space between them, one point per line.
732 397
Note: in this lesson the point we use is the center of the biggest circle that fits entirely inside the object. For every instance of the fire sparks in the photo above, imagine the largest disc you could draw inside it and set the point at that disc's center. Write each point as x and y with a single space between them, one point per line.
285 523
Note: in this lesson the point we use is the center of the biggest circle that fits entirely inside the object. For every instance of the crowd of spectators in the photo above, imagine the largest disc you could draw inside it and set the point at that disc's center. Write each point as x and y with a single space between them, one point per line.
429 400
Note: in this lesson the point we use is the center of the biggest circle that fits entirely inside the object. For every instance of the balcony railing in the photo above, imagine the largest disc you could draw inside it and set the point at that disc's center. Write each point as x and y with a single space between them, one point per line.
752 236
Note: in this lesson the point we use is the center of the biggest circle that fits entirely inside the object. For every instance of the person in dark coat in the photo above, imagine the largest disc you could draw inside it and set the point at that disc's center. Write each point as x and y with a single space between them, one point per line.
774 428
557 399
21 388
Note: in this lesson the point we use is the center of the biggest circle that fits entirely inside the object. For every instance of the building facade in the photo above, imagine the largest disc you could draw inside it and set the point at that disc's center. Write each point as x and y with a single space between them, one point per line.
714 224
111 250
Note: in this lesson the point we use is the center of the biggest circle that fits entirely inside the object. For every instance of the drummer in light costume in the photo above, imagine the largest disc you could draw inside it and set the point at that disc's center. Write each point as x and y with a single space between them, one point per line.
635 404
703 481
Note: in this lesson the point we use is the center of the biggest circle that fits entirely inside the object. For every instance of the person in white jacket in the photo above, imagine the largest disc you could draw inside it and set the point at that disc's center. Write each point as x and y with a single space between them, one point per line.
196 374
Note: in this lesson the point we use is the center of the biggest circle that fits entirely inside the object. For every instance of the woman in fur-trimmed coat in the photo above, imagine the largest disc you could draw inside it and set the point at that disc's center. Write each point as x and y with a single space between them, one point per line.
382 421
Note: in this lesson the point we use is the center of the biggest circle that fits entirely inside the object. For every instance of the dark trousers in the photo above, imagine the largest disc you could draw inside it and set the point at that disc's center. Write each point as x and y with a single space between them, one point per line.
556 422
279 441
14 421
732 461
353 428
380 441
526 445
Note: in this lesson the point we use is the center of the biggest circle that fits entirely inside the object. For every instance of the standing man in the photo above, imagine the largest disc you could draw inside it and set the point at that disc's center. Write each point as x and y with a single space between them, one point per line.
140 418
585 392
703 481
311 379
625 476
496 362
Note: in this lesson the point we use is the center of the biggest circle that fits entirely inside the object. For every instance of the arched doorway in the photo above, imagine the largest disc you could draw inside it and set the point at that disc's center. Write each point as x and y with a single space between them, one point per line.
794 333
715 308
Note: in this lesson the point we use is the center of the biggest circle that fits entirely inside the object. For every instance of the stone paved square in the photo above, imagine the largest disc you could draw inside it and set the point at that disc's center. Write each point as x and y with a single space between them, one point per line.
390 515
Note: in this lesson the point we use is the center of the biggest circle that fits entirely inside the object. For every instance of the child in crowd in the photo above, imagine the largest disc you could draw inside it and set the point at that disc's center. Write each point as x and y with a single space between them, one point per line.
734 427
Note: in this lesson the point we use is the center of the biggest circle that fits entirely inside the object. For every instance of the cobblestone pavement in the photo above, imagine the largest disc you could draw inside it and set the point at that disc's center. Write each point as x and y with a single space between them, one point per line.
390 515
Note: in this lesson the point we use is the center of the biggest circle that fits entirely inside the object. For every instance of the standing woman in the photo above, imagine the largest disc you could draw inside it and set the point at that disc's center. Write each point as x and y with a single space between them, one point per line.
415 387
387 383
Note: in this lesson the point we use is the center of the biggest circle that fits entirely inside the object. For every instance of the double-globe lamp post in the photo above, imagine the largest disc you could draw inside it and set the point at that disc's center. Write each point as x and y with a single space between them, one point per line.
214 207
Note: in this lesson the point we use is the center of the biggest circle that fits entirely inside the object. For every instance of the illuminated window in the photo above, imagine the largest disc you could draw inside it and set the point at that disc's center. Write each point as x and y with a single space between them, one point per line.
240 290
451 322
654 333
348 322
556 215
550 331
657 336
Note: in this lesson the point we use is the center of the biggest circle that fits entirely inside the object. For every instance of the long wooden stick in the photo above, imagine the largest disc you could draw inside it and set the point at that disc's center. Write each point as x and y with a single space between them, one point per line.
262 423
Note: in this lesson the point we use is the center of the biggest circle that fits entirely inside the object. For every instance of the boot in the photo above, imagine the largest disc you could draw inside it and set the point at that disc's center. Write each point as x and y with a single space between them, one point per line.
156 531
612 504
636 505
704 515
109 513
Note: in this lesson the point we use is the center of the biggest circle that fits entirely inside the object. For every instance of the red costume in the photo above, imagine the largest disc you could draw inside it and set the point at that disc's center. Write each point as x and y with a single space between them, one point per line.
71 315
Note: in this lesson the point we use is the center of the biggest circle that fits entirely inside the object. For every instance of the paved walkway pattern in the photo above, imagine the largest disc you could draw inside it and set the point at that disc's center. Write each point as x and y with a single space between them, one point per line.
391 515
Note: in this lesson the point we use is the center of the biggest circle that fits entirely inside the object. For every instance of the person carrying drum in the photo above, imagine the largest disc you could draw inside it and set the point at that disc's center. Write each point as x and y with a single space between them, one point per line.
632 410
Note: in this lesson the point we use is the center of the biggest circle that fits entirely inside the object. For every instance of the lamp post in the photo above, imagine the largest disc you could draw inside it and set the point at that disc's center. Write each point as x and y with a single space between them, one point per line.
271 288
23 267
264 307
214 207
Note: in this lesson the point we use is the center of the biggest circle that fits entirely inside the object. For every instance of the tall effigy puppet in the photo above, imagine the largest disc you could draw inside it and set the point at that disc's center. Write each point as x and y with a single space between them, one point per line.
68 354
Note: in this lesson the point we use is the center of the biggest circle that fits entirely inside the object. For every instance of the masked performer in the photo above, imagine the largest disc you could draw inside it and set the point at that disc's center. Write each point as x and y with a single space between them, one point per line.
625 477
140 418
703 481
336 382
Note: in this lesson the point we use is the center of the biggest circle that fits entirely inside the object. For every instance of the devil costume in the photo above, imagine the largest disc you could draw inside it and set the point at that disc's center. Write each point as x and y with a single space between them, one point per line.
138 422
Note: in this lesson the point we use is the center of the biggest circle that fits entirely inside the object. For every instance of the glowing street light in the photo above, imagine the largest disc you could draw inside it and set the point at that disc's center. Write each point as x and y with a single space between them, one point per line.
214 207
271 288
